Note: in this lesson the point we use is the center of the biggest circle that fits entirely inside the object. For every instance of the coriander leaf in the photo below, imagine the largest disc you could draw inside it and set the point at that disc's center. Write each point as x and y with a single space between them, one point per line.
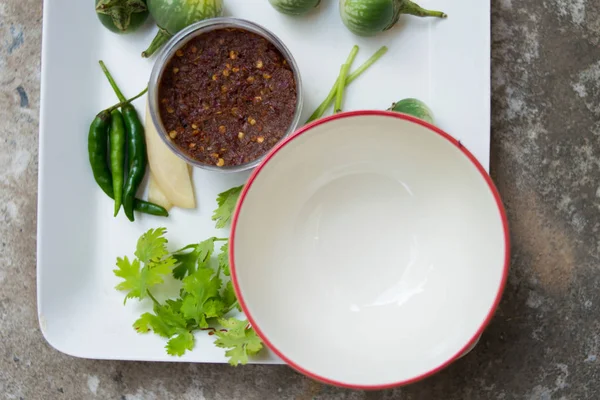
174 305
177 345
224 259
197 258
144 323
214 308
152 246
254 343
138 280
198 289
226 201
240 341
166 322
233 324
169 323
228 295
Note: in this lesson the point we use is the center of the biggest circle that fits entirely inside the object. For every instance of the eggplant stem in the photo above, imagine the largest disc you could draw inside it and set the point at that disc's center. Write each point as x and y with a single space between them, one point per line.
160 39
408 7
351 78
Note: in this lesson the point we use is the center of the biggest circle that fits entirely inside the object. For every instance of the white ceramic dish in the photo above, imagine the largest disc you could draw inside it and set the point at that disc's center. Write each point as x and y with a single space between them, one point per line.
444 63
385 237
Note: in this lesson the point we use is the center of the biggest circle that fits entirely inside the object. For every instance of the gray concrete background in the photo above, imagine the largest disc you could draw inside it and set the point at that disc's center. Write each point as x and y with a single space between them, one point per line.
544 342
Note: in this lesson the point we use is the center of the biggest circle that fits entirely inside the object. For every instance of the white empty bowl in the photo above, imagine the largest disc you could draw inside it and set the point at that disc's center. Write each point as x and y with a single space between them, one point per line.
369 250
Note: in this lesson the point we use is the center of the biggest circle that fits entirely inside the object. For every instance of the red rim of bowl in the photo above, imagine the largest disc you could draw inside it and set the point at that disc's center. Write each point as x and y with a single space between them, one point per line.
432 128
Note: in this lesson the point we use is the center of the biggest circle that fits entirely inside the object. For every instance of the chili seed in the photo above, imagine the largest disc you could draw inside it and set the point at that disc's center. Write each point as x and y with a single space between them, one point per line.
232 55
252 121
266 76
175 70
225 72
228 66
260 139
170 110
259 64
241 135
224 89
194 126
215 77
173 134
215 155
194 49
221 162
179 53
222 129
236 69
250 79
192 145
196 132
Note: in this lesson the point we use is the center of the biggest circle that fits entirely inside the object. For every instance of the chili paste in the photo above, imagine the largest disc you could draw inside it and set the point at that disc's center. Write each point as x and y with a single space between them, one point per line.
227 97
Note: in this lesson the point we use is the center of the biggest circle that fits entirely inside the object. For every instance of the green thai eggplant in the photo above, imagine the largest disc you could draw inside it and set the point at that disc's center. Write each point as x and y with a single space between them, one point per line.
370 17
171 16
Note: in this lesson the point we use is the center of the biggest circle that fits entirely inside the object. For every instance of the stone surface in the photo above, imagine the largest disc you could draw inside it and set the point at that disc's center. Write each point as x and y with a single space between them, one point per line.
544 342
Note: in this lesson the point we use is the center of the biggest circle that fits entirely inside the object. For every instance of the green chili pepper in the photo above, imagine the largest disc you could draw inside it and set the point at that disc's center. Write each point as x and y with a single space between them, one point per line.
149 208
97 150
98 146
136 146
98 155
117 156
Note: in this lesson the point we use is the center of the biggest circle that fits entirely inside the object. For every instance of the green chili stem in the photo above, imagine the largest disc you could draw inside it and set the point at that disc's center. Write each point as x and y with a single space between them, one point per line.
112 82
351 78
124 103
340 88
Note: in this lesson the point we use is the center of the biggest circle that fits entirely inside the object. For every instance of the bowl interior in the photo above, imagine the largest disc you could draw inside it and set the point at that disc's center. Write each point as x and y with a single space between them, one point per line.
369 250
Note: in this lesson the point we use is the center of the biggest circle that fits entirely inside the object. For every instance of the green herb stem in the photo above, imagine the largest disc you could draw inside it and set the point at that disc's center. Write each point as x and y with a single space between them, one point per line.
232 307
152 297
351 78
366 65
352 56
340 88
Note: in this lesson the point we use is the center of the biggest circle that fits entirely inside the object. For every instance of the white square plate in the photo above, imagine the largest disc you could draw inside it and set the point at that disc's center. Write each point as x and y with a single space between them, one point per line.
445 63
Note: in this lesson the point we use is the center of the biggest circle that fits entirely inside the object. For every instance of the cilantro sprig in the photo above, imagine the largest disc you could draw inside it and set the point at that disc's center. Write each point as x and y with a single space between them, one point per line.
227 202
206 295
